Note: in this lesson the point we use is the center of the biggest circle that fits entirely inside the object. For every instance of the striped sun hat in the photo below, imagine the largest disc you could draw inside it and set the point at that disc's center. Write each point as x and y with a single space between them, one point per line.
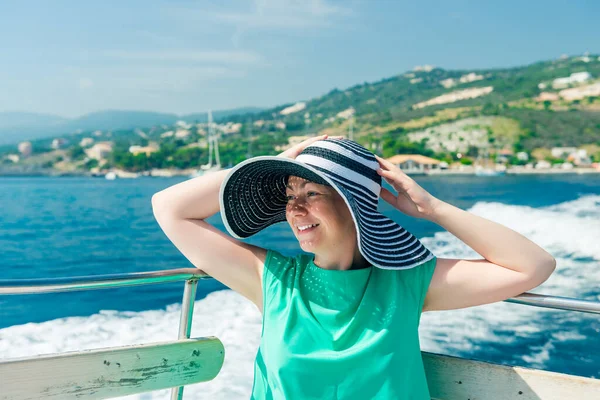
253 197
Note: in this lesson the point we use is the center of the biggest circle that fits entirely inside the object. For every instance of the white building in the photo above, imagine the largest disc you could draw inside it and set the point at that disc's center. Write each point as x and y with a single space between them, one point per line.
346 114
58 143
293 109
574 78
563 152
85 142
543 164
25 149
100 150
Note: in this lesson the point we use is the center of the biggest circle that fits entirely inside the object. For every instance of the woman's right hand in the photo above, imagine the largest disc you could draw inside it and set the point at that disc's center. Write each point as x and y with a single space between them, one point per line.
294 151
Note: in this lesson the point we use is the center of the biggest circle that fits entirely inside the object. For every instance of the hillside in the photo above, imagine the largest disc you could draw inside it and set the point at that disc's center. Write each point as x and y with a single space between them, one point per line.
430 111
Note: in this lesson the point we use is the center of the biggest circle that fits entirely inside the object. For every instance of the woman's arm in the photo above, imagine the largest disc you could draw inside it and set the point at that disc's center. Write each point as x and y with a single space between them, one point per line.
512 264
181 211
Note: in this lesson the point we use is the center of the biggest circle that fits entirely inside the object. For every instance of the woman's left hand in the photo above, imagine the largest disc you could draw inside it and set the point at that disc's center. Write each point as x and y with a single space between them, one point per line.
411 199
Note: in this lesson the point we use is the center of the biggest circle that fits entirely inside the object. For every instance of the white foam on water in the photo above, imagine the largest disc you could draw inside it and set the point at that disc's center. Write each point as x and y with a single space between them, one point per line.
224 314
569 231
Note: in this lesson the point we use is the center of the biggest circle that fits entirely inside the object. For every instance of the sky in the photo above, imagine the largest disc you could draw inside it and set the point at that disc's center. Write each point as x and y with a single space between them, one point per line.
69 58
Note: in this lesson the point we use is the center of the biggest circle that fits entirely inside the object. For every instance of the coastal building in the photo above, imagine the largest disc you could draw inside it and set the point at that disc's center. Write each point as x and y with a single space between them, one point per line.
13 158
522 156
415 163
580 158
25 149
543 164
100 151
151 148
230 127
58 143
183 125
562 152
85 142
182 133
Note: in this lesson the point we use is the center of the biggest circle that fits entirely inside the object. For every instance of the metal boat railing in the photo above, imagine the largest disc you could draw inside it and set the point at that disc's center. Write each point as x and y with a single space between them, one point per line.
191 276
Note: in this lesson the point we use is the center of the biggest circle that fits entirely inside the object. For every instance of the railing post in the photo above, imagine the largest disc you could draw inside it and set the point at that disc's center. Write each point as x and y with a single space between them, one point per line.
185 322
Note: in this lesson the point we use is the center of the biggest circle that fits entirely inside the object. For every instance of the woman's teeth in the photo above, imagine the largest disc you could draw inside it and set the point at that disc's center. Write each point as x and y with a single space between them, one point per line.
305 227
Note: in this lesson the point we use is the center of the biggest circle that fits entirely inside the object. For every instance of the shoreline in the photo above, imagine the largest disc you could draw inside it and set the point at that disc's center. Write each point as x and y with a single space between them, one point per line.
185 173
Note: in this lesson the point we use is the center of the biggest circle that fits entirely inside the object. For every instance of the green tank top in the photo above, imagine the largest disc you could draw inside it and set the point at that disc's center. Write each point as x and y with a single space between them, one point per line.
330 334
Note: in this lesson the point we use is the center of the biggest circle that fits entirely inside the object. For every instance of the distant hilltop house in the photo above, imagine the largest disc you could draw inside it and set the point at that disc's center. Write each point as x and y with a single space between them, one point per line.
99 151
230 127
182 133
470 77
465 94
415 163
346 114
423 68
151 148
59 143
85 142
25 149
183 125
293 109
13 158
574 78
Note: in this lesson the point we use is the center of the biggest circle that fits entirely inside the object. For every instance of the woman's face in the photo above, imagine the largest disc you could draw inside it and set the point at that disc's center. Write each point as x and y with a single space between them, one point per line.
319 217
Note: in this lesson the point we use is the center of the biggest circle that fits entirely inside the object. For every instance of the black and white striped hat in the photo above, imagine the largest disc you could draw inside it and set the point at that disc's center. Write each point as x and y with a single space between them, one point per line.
253 197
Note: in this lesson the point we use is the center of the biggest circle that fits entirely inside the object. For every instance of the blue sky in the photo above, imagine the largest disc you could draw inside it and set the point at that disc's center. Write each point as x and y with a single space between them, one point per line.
73 57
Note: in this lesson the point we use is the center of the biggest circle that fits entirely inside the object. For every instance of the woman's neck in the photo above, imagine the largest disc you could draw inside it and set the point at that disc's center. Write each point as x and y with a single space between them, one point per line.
342 262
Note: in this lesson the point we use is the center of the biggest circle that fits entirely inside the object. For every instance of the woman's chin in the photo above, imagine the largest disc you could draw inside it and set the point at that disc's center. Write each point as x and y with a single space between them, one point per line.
308 246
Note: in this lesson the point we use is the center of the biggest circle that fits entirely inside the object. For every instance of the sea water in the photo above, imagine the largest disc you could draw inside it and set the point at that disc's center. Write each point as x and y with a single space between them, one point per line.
52 227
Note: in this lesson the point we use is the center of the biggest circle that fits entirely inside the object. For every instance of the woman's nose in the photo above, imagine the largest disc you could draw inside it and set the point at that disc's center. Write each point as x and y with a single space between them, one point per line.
297 206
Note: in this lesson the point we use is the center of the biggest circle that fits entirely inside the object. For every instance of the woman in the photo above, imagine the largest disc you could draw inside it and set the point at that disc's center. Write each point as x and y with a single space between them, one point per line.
341 324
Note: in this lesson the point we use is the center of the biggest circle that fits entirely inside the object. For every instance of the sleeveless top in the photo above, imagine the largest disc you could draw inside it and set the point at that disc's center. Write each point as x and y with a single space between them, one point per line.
330 334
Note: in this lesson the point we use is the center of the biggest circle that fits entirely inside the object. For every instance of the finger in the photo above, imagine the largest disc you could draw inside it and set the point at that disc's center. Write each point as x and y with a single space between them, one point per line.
388 196
385 163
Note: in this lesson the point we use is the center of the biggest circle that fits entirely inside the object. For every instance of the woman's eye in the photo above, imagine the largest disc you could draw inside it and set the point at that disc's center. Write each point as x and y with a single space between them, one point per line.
310 194
289 197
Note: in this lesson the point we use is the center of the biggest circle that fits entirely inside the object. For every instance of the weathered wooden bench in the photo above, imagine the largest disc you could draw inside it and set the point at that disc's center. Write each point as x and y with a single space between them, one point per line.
111 372
126 370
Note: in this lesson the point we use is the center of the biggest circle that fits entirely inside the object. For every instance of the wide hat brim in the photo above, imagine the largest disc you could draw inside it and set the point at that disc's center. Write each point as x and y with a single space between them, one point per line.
253 197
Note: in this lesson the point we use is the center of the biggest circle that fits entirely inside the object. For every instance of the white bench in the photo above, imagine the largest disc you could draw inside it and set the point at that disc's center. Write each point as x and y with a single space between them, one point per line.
111 372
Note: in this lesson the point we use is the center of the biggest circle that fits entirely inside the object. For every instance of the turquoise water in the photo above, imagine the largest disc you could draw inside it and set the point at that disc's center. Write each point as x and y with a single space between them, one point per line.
54 227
